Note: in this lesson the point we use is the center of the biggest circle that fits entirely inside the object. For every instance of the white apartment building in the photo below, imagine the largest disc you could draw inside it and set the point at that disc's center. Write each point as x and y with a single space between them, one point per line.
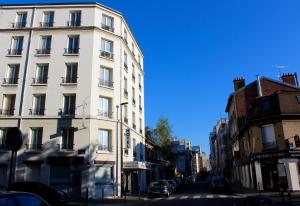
65 69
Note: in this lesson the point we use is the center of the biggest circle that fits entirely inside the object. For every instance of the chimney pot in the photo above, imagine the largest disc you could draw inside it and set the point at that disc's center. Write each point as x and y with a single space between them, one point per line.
238 83
289 78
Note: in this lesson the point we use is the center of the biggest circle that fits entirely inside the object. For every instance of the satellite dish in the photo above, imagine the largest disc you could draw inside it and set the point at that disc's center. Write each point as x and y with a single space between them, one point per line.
14 139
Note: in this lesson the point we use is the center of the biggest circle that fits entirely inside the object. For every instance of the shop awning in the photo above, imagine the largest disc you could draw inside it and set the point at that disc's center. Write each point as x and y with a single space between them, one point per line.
136 165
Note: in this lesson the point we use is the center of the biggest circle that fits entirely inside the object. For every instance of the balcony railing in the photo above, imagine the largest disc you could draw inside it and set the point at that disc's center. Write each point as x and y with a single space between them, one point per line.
269 145
14 51
34 147
39 80
126 120
134 126
125 66
106 54
105 114
69 80
141 131
38 111
133 77
106 83
68 112
66 147
108 28
43 51
125 93
7 111
133 101
141 109
105 148
71 50
74 23
46 24
140 86
12 80
17 25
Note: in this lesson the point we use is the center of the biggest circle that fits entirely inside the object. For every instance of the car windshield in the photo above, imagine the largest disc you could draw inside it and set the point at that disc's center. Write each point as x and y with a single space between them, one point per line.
158 183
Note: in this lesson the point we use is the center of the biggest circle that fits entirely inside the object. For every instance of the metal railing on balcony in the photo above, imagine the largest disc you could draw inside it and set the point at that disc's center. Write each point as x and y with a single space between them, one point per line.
134 126
71 50
17 25
69 80
133 101
37 111
46 24
106 83
108 28
7 111
125 66
106 54
74 23
140 86
14 51
269 145
68 111
43 51
13 80
35 147
105 114
39 80
133 77
126 120
66 147
125 93
105 148
140 108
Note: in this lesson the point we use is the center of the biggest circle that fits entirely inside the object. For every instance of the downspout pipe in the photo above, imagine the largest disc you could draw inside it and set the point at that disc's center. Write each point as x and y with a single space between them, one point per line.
259 86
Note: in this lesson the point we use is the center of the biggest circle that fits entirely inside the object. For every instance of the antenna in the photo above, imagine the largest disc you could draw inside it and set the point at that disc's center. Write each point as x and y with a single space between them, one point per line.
280 67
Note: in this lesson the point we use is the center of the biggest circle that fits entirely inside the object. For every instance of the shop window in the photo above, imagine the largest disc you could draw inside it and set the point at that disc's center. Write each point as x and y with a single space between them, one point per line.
297 140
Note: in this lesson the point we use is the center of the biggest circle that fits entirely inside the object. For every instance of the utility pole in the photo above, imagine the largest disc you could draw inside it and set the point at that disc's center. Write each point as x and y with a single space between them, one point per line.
117 153
122 169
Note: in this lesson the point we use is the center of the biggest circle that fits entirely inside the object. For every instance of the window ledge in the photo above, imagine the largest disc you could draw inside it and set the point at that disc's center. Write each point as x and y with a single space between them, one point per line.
9 85
39 84
14 55
103 152
109 59
106 87
66 54
68 84
42 55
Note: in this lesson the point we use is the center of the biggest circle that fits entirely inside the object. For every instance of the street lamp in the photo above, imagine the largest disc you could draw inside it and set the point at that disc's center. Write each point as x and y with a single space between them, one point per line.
122 170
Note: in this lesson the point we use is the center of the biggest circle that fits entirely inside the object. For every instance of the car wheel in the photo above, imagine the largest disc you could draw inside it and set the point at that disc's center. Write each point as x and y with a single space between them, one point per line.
168 194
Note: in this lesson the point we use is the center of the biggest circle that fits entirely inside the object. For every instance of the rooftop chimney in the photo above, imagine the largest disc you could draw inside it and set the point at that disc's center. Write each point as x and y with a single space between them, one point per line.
238 83
289 78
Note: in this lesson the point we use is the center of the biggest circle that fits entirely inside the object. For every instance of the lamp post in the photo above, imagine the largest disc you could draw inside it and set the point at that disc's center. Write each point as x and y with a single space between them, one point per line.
122 170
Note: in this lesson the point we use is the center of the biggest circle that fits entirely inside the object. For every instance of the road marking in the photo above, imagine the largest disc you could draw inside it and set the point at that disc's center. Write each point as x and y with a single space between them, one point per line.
197 196
183 197
157 199
223 196
170 198
209 196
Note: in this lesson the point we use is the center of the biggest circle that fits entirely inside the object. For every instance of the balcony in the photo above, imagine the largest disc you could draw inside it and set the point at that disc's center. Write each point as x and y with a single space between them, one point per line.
133 77
7 111
126 120
125 66
37 112
46 24
106 83
68 80
269 145
104 148
107 28
106 54
105 114
125 93
14 52
68 112
34 147
39 81
133 101
71 51
141 109
73 23
66 147
140 86
133 126
10 81
18 25
43 52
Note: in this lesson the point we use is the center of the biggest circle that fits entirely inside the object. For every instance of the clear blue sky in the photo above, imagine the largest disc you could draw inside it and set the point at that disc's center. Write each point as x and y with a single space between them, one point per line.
194 48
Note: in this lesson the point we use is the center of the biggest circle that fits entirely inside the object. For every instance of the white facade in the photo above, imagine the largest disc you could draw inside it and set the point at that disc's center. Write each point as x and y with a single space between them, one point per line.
77 115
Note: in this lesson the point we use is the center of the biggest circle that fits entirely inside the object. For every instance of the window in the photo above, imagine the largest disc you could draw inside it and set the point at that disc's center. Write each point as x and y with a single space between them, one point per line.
125 61
20 21
107 23
3 132
133 96
125 36
67 138
104 107
71 73
75 18
140 82
125 87
48 19
141 152
35 141
45 47
12 74
297 140
106 77
73 45
140 125
8 104
38 107
41 75
104 140
298 99
134 148
133 120
106 49
126 114
104 173
133 72
16 45
140 103
268 134
69 104
132 49
139 59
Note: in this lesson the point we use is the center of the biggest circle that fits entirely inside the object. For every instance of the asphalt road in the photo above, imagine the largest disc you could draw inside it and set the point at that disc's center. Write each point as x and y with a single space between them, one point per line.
196 194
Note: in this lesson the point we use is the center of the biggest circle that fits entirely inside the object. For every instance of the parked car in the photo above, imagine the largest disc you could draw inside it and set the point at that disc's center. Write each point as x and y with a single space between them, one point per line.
173 185
219 184
51 195
21 199
258 200
161 187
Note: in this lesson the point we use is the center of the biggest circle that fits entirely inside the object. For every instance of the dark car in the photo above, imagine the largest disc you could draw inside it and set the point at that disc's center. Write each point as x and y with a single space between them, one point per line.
173 185
219 184
51 195
161 187
258 200
21 199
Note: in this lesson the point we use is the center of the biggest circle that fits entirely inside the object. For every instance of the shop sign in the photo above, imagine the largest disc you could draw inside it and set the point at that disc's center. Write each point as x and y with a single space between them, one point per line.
135 165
